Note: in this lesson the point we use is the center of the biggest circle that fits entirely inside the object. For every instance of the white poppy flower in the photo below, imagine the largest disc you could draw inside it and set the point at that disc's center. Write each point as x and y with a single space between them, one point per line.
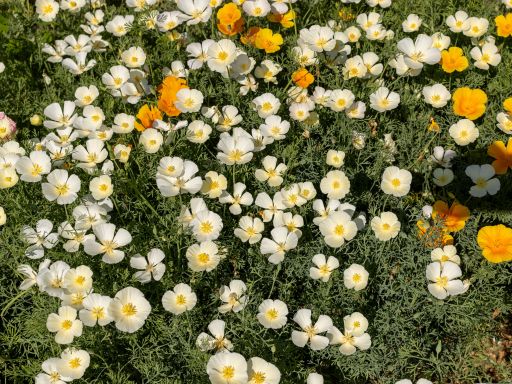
233 296
282 241
271 172
272 314
485 56
396 181
447 253
261 371
180 299
436 95
335 185
412 23
458 22
483 177
384 100
356 277
51 279
443 176
221 55
309 332
236 148
107 243
130 309
96 310
39 239
354 336
51 373
203 256
323 268
444 280
194 11
464 132
217 340
32 277
73 363
151 267
419 52
266 105
58 117
65 325
338 228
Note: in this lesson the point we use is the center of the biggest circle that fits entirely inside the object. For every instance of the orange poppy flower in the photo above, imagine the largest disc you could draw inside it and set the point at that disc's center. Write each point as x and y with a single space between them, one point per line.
286 20
507 104
453 218
230 19
147 115
470 103
502 154
250 36
302 78
453 60
504 25
167 90
231 29
267 40
496 243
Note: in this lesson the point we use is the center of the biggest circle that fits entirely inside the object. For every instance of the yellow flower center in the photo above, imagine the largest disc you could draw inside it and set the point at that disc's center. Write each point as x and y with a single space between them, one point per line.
310 331
356 277
36 170
62 189
206 227
395 182
203 258
235 155
222 55
80 280
257 378
324 270
109 247
98 312
339 230
271 314
66 324
181 300
442 281
129 309
75 363
228 372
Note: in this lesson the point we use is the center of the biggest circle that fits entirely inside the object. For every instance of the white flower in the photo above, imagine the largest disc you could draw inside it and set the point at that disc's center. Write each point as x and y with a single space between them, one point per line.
318 39
256 8
90 156
51 373
444 280
95 310
271 172
119 25
123 123
65 325
324 267
198 132
151 267
272 314
436 95
217 341
236 148
206 226
227 368
58 117
412 23
61 187
228 118
483 177
458 22
249 229
464 132
290 221
354 336
477 26
3 216
86 95
214 184
73 363
486 56
270 205
198 53
194 11
396 181
101 187
180 299
188 100
233 296
107 243
386 226
504 121
33 167
315 378
122 152
282 241
133 57
268 71
384 100
419 52
39 239
47 9
78 279
266 105
335 185
440 41
203 256
89 215
443 157
356 277
181 182
221 55
151 139
130 309
238 198
8 177
442 176
340 99
447 253
275 127
311 333
114 80
51 279
337 228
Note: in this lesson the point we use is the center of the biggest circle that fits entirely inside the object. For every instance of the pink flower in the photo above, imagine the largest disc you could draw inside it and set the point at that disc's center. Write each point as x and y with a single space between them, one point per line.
7 127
